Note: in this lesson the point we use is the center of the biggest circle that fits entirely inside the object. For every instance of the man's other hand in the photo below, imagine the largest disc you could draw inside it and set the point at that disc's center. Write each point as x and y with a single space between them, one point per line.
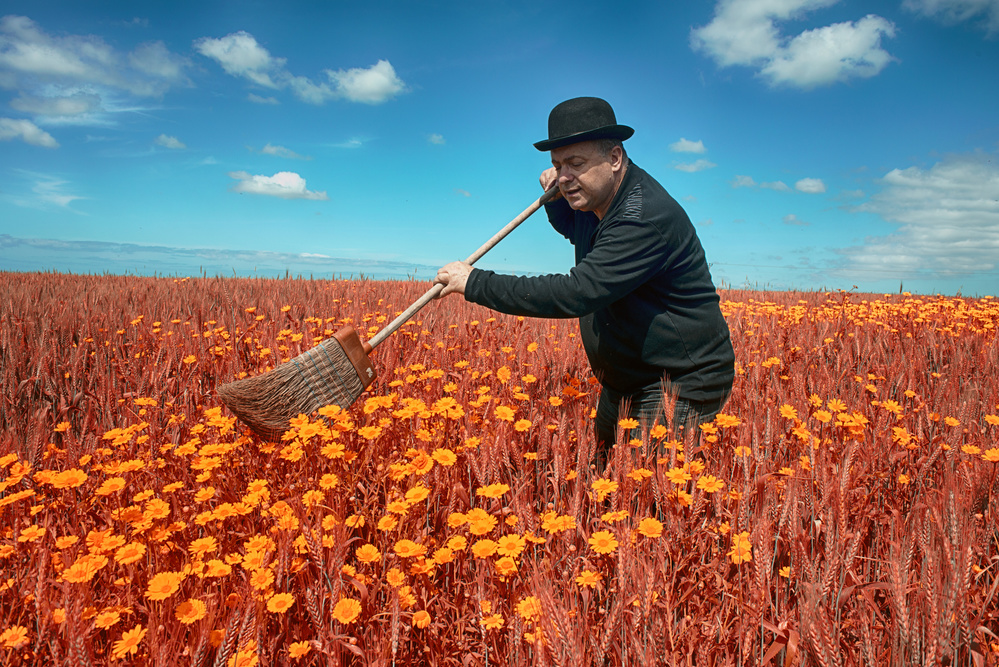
453 276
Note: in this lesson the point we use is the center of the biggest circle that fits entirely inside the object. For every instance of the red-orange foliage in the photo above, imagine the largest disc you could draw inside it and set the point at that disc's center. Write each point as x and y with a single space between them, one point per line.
838 513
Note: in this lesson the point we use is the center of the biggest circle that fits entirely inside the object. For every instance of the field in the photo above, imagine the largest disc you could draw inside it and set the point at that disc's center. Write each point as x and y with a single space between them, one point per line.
840 511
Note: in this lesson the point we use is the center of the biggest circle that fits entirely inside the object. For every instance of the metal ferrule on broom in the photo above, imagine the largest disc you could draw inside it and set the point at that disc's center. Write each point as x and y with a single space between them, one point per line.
336 371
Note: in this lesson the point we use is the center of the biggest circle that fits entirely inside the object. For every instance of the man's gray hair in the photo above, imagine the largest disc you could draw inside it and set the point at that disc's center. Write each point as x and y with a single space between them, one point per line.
605 146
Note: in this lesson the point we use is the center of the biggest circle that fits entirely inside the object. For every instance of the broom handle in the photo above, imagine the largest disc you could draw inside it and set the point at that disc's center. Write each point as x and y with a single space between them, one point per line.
474 257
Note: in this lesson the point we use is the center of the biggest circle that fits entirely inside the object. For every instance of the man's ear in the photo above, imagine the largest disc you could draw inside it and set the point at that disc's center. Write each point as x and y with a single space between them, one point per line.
617 158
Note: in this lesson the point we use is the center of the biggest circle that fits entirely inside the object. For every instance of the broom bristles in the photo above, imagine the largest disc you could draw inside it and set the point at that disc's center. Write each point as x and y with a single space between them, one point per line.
331 373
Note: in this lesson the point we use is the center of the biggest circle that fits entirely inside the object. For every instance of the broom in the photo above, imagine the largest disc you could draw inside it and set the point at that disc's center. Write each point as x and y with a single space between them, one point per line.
334 372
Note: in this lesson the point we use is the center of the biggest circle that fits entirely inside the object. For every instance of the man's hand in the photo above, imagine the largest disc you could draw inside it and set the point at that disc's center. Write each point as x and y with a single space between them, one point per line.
549 177
453 277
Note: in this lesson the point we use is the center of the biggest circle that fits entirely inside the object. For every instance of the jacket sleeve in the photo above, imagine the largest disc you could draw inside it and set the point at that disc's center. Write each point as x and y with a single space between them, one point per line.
625 255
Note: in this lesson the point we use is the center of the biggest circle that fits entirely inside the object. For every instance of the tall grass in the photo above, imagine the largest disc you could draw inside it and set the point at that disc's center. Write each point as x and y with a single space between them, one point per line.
839 512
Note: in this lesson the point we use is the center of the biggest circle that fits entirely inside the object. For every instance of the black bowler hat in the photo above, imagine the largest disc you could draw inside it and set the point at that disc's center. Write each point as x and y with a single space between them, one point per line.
582 119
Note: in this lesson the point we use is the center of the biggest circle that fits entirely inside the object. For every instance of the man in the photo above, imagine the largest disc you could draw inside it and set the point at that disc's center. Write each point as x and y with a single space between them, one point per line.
648 311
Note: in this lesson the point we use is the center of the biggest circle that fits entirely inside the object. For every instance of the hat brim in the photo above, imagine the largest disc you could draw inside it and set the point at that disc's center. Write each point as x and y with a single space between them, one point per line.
619 132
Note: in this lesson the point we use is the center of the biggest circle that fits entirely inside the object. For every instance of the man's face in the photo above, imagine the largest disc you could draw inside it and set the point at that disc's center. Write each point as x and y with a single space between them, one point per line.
588 179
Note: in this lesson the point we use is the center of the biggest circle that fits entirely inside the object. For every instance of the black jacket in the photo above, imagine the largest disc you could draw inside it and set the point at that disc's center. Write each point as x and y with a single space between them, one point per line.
641 289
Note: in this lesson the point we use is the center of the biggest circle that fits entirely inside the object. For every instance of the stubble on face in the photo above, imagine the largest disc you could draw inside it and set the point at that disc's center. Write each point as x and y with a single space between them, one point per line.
588 179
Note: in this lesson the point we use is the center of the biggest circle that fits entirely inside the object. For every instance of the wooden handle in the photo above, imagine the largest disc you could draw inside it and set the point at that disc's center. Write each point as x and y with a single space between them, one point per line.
432 293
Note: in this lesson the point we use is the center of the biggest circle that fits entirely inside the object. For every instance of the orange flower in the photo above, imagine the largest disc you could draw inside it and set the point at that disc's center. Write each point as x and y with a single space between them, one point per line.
130 553
409 549
480 522
421 619
367 553
492 491
31 534
710 484
505 413
395 577
347 610
742 549
262 578
163 585
603 542
628 423
443 556
603 487
299 649
506 566
280 603
511 545
111 485
726 421
69 479
589 579
529 608
217 568
650 527
417 494
15 636
387 522
445 457
66 541
129 642
202 546
484 548
189 611
84 568
614 517
106 619
493 622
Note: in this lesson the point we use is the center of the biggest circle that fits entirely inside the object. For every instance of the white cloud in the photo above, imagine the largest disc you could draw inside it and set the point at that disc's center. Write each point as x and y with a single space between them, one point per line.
154 59
46 191
281 151
743 182
354 142
948 216
779 186
812 186
284 184
167 141
745 33
373 85
241 55
687 146
835 53
27 131
697 165
30 57
463 193
50 191
257 99
437 139
78 103
958 11
307 91
792 219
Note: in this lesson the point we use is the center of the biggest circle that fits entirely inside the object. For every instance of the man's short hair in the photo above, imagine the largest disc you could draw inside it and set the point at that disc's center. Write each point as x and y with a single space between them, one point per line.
605 146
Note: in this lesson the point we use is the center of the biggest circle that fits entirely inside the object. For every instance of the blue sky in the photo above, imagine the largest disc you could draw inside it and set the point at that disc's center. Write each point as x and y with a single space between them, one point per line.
815 144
